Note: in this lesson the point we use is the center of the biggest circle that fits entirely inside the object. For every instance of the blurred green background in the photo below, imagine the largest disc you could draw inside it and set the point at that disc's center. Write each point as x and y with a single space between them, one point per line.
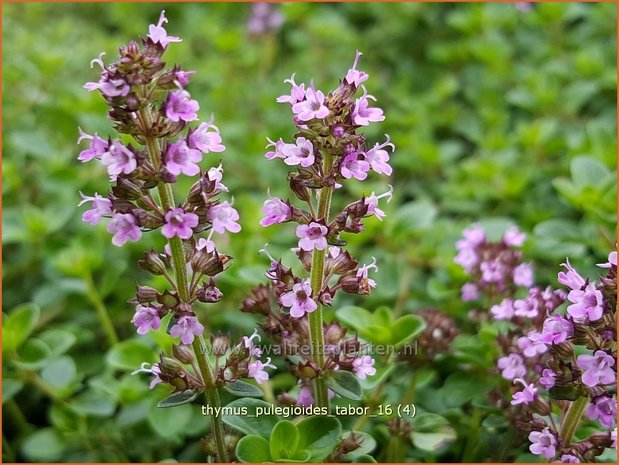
499 115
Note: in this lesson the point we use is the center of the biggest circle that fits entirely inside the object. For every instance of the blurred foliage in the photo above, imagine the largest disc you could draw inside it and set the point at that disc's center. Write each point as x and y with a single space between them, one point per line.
499 116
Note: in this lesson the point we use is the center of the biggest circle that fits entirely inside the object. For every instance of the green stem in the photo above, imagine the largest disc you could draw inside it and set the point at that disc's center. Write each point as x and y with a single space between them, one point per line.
166 195
19 420
102 313
574 414
316 279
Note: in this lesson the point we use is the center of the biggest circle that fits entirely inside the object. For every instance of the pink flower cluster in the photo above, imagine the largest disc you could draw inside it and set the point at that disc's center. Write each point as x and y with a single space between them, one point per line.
493 266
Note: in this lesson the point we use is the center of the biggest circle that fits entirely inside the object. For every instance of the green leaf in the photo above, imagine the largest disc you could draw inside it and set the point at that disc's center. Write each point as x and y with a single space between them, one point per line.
33 354
284 440
242 389
18 325
170 422
45 445
371 382
93 403
58 340
588 171
129 355
355 317
59 373
365 459
253 449
432 432
366 445
261 425
406 328
319 435
178 398
10 387
345 384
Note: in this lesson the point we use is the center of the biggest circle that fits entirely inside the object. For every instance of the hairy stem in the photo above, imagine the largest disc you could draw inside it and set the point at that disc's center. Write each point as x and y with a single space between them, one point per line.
574 414
316 278
211 392
102 313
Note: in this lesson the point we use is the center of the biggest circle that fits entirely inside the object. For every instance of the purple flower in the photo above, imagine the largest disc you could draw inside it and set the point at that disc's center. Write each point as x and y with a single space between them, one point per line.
527 308
597 368
469 292
180 107
612 261
182 77
178 223
100 207
305 398
467 258
378 158
109 87
313 107
603 408
153 370
587 304
179 158
504 310
312 236
299 299
276 211
364 366
372 203
363 271
355 77
363 115
301 153
513 237
186 328
565 458
354 167
570 279
277 153
511 366
257 370
543 443
224 217
523 275
297 93
531 346
204 140
119 160
207 244
493 271
146 318
216 174
98 146
613 437
248 343
556 330
526 396
124 227
159 35
473 236
548 378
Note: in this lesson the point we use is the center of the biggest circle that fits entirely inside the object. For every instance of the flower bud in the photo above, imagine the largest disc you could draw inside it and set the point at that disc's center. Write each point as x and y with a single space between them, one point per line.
125 189
182 353
298 188
152 263
219 345
209 293
146 294
307 370
334 333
